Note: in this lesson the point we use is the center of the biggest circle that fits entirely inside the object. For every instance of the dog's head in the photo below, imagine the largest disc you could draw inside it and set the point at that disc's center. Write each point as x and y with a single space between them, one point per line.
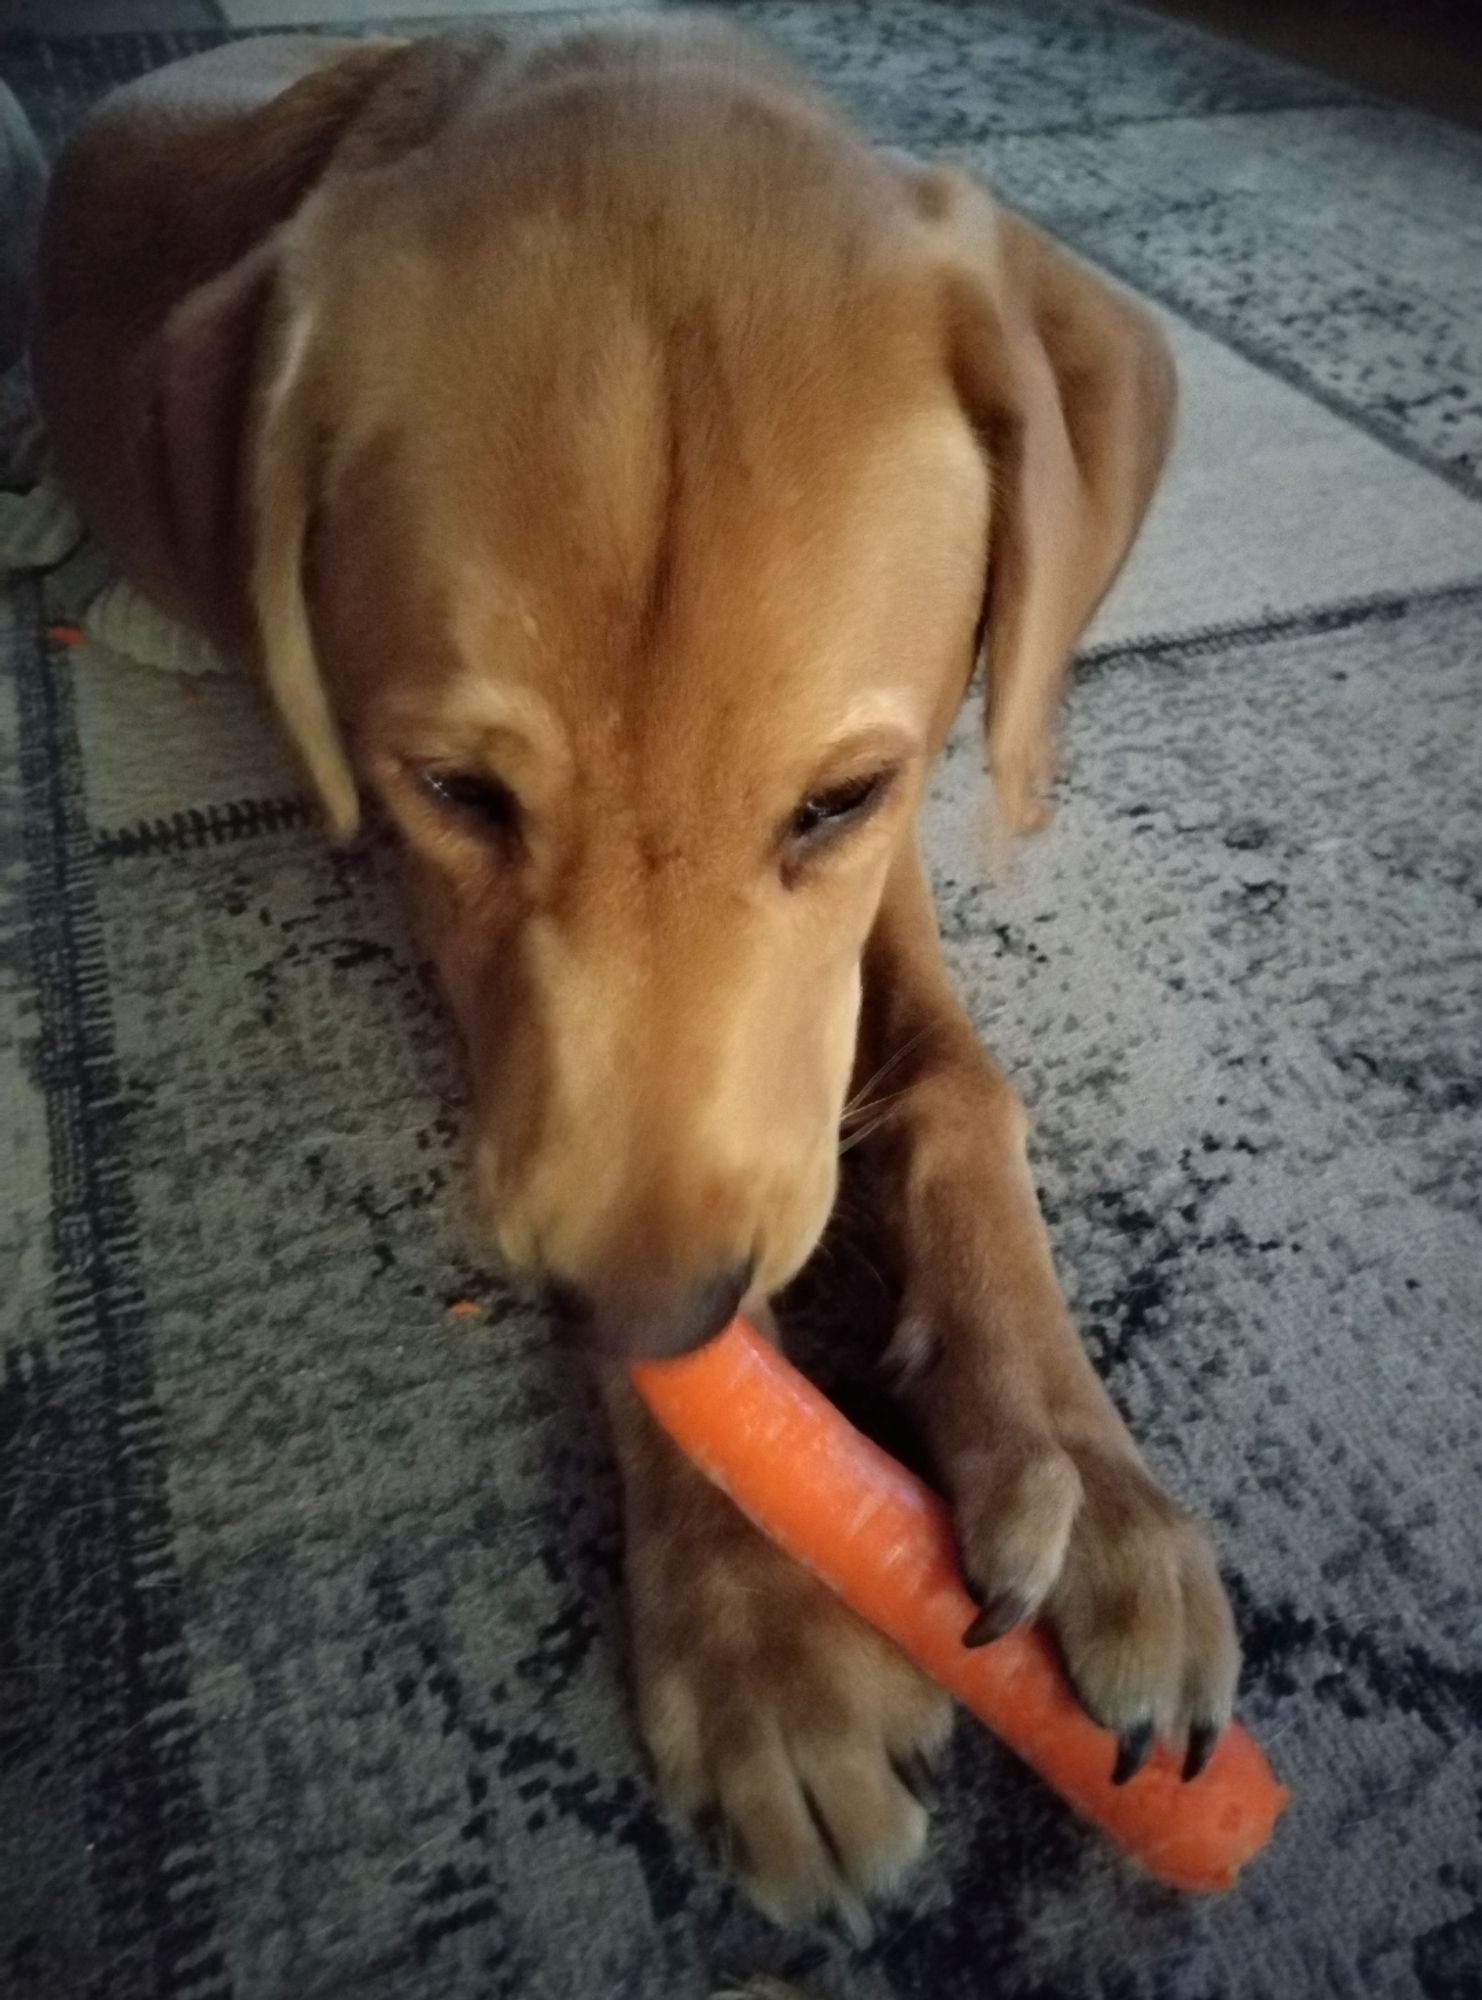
632 478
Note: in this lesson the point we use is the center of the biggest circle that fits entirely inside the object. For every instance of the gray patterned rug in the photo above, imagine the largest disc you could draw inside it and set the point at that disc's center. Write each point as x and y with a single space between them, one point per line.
310 1626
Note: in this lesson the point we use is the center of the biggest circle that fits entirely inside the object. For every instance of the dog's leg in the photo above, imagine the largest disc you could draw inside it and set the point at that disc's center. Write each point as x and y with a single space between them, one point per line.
773 1715
1054 1507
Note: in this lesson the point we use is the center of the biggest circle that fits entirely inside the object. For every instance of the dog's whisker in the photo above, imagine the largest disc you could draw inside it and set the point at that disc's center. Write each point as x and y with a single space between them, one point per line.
853 1114
896 1057
857 1137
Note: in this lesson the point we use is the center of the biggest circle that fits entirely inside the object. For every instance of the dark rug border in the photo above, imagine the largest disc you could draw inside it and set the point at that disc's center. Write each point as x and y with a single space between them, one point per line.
127 1671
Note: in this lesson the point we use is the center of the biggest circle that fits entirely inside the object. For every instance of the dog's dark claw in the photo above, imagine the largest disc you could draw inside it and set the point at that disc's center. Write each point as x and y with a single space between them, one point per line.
998 1615
919 1776
1203 1736
849 1921
718 1840
1133 1751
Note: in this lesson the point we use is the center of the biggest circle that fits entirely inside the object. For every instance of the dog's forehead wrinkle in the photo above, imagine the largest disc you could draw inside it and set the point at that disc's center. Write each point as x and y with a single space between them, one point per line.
749 384
488 718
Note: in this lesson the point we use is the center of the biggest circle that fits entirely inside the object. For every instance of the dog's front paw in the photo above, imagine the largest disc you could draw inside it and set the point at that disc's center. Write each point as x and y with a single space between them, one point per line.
1074 1526
781 1722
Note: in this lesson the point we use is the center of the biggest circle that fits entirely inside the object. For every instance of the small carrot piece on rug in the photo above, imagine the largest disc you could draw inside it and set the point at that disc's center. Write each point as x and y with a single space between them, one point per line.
66 635
880 1538
464 1309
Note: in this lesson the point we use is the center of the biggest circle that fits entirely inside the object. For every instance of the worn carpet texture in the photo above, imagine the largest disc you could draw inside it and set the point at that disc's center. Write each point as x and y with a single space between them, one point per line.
310 1612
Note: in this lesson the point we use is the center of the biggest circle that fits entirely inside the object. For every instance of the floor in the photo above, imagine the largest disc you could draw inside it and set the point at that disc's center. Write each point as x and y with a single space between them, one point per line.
1427 53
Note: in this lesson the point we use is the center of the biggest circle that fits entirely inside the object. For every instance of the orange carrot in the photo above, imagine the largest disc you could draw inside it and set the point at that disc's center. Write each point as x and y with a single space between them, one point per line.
883 1541
66 635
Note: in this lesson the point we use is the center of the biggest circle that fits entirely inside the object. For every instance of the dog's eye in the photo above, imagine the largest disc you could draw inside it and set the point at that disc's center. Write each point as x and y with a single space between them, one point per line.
477 797
827 813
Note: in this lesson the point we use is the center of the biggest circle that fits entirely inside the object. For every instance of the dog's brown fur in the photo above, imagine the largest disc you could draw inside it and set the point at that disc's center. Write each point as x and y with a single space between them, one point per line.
604 417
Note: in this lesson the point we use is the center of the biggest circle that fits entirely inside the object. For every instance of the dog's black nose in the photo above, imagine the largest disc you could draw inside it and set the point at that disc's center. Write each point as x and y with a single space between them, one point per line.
649 1322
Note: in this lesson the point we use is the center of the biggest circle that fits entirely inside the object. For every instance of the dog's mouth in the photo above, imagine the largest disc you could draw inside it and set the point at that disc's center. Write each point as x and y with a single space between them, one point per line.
649 1321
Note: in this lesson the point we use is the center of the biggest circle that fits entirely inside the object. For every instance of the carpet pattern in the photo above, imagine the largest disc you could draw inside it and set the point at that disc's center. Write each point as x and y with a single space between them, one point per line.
310 1613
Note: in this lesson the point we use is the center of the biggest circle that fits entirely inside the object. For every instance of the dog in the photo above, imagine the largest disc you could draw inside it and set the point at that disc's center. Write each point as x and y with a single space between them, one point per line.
615 467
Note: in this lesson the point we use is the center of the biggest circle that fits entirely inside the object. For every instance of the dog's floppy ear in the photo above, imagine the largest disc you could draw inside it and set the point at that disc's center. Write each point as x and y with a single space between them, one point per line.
223 387
1070 385
283 484
233 489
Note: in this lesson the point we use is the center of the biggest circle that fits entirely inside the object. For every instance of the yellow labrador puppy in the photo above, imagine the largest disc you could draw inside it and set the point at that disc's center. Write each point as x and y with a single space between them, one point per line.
615 466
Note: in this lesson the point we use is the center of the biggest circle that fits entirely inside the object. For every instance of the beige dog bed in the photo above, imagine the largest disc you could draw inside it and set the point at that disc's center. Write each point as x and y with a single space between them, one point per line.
41 533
